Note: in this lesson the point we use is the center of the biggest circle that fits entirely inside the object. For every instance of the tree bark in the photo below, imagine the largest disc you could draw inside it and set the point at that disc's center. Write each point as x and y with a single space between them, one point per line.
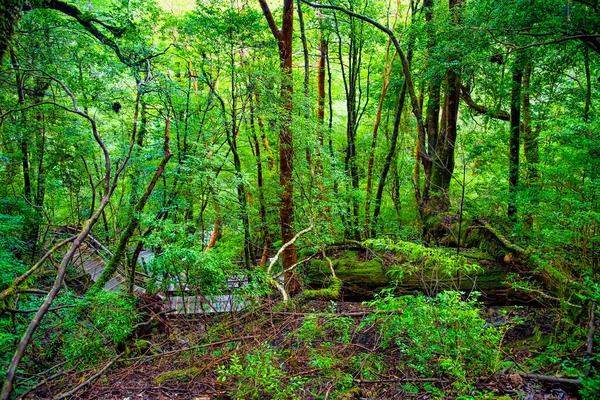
515 132
530 141
387 70
286 145
389 157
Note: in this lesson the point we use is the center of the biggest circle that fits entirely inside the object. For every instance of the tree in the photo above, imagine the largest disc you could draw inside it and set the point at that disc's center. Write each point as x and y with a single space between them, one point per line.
286 144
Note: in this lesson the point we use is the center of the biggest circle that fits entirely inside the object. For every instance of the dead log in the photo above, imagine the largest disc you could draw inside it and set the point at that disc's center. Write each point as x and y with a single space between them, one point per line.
363 279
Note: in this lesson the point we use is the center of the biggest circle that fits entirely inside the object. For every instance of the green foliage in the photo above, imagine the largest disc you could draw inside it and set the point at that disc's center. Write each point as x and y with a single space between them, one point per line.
10 266
97 324
260 375
441 336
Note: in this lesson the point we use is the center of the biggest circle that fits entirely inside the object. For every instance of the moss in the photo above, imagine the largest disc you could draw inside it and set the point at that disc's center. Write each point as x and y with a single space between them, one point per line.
362 277
332 292
349 269
178 375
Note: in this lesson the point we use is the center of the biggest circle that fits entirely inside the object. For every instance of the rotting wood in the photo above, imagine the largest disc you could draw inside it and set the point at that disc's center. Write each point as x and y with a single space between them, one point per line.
554 379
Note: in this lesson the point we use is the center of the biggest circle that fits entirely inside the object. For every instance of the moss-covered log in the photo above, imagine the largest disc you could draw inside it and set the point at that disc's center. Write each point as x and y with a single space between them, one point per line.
362 279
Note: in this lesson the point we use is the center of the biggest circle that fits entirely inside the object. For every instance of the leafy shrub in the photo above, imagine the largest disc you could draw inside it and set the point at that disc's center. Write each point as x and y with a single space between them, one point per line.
425 262
96 325
259 375
441 336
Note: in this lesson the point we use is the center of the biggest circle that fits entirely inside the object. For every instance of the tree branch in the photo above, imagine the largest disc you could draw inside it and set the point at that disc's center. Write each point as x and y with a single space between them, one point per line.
482 110
270 20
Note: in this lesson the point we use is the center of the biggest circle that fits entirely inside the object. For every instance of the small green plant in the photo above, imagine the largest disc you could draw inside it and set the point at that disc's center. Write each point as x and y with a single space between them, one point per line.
259 376
429 264
311 330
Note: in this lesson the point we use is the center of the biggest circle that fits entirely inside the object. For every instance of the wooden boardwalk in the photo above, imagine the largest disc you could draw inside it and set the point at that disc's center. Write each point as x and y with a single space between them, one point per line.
92 260
92 257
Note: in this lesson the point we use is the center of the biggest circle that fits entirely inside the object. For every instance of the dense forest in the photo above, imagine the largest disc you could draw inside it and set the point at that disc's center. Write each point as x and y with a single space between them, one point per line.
336 199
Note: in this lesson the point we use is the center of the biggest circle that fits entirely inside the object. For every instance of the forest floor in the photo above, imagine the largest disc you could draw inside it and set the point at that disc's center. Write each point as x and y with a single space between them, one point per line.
254 355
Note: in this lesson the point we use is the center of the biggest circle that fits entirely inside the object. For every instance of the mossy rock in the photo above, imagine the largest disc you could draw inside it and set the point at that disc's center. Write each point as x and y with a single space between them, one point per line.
178 375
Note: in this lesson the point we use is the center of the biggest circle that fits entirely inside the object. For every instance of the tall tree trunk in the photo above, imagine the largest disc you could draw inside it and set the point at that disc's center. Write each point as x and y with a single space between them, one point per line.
286 148
443 161
514 141
530 140
441 139
264 228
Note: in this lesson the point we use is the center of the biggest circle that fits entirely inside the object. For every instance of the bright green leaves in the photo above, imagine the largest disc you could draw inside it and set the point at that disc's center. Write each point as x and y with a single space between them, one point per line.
96 326
441 336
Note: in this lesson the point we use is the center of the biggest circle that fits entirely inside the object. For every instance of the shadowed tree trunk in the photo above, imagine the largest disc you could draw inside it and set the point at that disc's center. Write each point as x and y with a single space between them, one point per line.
515 132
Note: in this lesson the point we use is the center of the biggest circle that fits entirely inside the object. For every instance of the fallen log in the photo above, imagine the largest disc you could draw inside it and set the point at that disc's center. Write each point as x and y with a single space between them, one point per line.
363 279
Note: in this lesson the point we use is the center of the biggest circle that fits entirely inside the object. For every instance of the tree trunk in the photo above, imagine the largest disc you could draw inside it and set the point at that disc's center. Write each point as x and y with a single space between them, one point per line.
387 70
286 148
390 157
515 132
530 144
134 222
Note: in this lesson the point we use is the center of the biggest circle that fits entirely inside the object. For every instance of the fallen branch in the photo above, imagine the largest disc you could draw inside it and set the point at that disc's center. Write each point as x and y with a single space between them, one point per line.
166 353
554 379
273 281
14 286
285 246
15 311
400 380
346 314
87 381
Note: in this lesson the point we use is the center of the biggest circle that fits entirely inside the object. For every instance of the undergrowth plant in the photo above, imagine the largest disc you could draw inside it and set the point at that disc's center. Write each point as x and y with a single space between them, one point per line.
259 375
431 265
439 337
96 326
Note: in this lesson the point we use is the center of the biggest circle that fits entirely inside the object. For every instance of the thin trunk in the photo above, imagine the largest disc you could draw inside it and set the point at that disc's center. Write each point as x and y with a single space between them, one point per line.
216 231
306 76
323 48
588 85
351 78
23 138
530 140
389 157
370 163
134 221
264 228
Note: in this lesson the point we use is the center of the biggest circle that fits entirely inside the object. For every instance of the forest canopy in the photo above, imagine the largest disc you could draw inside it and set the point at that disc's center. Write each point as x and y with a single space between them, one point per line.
296 151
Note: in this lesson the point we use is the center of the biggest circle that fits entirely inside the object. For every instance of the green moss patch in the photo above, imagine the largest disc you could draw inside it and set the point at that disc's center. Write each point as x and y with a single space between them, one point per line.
178 375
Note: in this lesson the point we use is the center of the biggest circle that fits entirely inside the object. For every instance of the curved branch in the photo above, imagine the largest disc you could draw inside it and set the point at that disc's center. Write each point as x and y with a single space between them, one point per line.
482 110
270 20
